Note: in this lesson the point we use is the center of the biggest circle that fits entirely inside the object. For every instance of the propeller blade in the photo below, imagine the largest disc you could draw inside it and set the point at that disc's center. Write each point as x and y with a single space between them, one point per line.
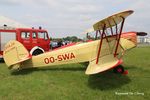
141 33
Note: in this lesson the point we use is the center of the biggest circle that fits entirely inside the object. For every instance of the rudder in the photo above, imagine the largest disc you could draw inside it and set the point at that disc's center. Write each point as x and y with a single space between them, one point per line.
15 53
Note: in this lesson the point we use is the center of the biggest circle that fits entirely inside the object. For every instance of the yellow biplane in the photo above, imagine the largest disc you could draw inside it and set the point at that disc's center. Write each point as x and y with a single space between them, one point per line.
103 53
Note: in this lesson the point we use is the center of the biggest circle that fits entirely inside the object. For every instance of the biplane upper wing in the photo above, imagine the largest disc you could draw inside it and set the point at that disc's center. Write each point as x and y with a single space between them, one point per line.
112 20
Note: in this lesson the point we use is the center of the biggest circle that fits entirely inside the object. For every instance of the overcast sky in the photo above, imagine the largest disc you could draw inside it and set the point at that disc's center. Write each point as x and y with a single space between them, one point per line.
72 17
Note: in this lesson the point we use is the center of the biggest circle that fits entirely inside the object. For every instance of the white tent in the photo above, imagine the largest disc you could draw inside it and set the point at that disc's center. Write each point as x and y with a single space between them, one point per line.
11 23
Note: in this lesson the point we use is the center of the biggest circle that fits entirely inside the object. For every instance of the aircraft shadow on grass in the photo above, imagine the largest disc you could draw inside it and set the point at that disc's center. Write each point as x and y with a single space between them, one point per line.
103 81
107 80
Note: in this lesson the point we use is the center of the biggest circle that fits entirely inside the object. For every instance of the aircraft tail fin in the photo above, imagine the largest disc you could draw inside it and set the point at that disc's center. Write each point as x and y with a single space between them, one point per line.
105 63
15 53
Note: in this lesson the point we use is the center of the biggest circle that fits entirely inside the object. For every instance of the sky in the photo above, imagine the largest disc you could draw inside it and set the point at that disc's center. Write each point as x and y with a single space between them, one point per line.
72 17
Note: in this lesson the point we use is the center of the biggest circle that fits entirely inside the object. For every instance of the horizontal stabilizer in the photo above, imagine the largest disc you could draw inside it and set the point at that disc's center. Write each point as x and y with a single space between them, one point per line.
105 63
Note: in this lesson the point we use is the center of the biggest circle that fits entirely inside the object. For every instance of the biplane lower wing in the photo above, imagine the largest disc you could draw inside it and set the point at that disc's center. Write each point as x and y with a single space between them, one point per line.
105 63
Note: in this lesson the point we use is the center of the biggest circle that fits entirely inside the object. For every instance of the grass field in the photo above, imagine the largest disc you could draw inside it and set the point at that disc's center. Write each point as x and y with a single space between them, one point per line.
68 82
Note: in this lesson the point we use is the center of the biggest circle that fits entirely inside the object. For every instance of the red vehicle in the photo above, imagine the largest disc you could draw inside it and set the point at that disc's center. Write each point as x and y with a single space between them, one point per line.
35 40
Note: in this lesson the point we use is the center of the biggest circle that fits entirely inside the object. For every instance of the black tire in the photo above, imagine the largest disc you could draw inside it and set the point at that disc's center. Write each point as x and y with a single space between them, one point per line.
37 52
2 60
85 64
119 69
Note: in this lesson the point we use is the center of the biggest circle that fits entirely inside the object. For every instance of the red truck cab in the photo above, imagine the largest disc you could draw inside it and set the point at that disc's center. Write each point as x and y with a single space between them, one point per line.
36 41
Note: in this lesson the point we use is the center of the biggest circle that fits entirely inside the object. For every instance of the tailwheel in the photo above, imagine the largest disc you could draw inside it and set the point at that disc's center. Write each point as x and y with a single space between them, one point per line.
119 69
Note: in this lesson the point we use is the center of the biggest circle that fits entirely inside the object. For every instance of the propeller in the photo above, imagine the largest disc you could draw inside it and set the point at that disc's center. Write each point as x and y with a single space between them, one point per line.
141 33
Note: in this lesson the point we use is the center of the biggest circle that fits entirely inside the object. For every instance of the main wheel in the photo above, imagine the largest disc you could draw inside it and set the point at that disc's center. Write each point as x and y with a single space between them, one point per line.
119 69
37 52
85 64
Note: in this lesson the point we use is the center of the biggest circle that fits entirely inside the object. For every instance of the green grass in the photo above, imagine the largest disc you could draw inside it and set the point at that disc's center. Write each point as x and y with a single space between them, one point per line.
68 82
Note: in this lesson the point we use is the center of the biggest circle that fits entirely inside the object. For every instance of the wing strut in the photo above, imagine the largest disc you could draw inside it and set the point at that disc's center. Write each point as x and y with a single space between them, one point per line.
118 39
100 45
110 27
96 35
